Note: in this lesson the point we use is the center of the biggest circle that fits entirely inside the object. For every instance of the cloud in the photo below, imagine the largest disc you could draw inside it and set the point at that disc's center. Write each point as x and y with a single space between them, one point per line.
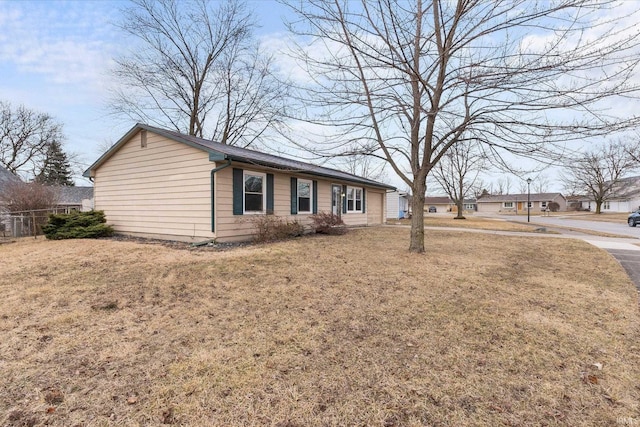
65 43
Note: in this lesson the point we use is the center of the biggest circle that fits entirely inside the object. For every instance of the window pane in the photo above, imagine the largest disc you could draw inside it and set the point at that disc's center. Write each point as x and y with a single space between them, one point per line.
304 189
253 184
304 204
358 194
350 204
358 205
253 202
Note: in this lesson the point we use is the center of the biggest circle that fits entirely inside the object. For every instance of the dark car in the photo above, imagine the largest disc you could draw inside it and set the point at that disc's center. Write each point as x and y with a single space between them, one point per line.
634 218
432 209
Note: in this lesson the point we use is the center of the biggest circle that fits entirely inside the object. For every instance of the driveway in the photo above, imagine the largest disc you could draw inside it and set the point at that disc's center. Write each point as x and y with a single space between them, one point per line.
625 250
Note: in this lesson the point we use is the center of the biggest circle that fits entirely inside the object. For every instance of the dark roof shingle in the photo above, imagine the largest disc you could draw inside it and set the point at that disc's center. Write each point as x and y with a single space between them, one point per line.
243 155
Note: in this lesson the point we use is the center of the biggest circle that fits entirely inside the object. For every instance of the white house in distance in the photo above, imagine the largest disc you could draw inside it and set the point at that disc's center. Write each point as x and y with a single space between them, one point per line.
516 203
625 197
398 204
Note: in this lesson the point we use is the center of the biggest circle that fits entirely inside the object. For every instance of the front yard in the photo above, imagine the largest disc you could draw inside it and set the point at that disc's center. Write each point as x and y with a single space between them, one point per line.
484 330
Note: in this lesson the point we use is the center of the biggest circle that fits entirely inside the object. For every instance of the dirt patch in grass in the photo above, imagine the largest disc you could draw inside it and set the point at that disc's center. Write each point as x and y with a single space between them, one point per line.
484 330
469 222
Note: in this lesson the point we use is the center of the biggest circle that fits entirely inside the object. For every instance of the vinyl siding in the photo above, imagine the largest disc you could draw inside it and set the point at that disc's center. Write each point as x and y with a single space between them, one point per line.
161 191
231 227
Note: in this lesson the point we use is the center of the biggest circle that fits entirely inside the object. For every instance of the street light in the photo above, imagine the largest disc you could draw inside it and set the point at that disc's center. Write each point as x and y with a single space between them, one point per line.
528 199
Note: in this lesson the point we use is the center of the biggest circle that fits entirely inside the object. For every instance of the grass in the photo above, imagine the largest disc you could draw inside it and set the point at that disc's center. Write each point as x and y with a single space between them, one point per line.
483 330
469 222
618 217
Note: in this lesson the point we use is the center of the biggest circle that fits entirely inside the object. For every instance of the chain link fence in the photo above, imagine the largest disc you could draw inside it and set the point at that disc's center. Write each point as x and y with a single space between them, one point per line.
25 223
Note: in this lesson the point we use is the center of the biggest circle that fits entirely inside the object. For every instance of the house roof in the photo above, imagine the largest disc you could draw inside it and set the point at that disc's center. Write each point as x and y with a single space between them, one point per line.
73 195
534 197
220 152
7 177
626 188
437 200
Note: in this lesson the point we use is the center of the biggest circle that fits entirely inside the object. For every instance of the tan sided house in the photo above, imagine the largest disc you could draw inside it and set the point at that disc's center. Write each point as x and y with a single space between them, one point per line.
164 184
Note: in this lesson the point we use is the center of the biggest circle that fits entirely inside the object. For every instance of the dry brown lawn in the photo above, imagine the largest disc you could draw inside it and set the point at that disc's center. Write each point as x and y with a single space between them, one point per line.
484 330
470 222
619 217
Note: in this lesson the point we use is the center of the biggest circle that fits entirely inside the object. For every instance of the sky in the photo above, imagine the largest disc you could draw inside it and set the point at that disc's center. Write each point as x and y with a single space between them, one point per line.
55 57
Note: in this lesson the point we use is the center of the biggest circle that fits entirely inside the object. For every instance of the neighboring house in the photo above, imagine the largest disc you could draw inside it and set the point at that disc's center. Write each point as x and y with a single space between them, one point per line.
579 203
398 206
624 197
517 203
468 205
440 203
75 199
6 178
164 184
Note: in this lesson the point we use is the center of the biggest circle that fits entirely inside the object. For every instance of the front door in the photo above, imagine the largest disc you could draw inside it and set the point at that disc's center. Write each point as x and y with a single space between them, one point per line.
336 199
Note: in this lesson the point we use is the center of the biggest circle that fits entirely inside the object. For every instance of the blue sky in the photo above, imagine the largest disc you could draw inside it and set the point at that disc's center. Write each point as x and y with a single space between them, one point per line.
55 57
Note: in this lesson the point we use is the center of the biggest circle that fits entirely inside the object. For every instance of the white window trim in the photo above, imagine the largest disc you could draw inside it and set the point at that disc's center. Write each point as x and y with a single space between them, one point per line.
305 181
606 205
543 204
264 192
354 210
510 205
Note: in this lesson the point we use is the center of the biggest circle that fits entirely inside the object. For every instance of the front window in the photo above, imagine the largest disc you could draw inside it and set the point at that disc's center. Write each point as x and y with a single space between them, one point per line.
508 204
304 196
543 205
606 205
254 193
469 206
354 199
529 204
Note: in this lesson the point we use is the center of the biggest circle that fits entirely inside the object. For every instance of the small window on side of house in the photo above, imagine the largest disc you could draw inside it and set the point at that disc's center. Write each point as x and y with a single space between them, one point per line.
304 196
507 204
254 192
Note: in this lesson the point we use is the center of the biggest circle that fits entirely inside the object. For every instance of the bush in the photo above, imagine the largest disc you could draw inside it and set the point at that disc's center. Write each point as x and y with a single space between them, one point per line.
328 223
270 228
553 206
77 225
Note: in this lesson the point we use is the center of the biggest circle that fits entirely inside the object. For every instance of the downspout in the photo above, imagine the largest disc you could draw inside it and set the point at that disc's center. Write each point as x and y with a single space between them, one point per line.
213 172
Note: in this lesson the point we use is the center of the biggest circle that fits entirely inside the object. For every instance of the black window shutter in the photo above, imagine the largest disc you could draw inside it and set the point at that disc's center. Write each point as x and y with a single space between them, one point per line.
315 197
344 199
270 193
364 205
238 191
294 196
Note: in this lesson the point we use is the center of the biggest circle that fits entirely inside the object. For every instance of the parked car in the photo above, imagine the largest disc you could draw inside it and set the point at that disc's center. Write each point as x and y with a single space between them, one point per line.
634 218
432 209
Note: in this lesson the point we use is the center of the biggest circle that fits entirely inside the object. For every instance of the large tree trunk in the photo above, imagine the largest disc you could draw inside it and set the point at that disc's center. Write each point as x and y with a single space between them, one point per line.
417 218
460 206
598 206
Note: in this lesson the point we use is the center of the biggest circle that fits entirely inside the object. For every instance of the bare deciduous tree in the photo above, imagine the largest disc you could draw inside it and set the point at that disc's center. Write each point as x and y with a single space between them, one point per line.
457 172
25 136
416 77
364 166
28 196
197 59
598 172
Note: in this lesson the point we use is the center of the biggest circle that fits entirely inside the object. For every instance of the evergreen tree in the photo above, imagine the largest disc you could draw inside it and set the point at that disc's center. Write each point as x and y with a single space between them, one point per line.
56 169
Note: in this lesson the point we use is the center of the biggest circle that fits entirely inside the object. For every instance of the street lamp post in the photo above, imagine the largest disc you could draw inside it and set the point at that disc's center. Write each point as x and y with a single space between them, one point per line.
528 199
